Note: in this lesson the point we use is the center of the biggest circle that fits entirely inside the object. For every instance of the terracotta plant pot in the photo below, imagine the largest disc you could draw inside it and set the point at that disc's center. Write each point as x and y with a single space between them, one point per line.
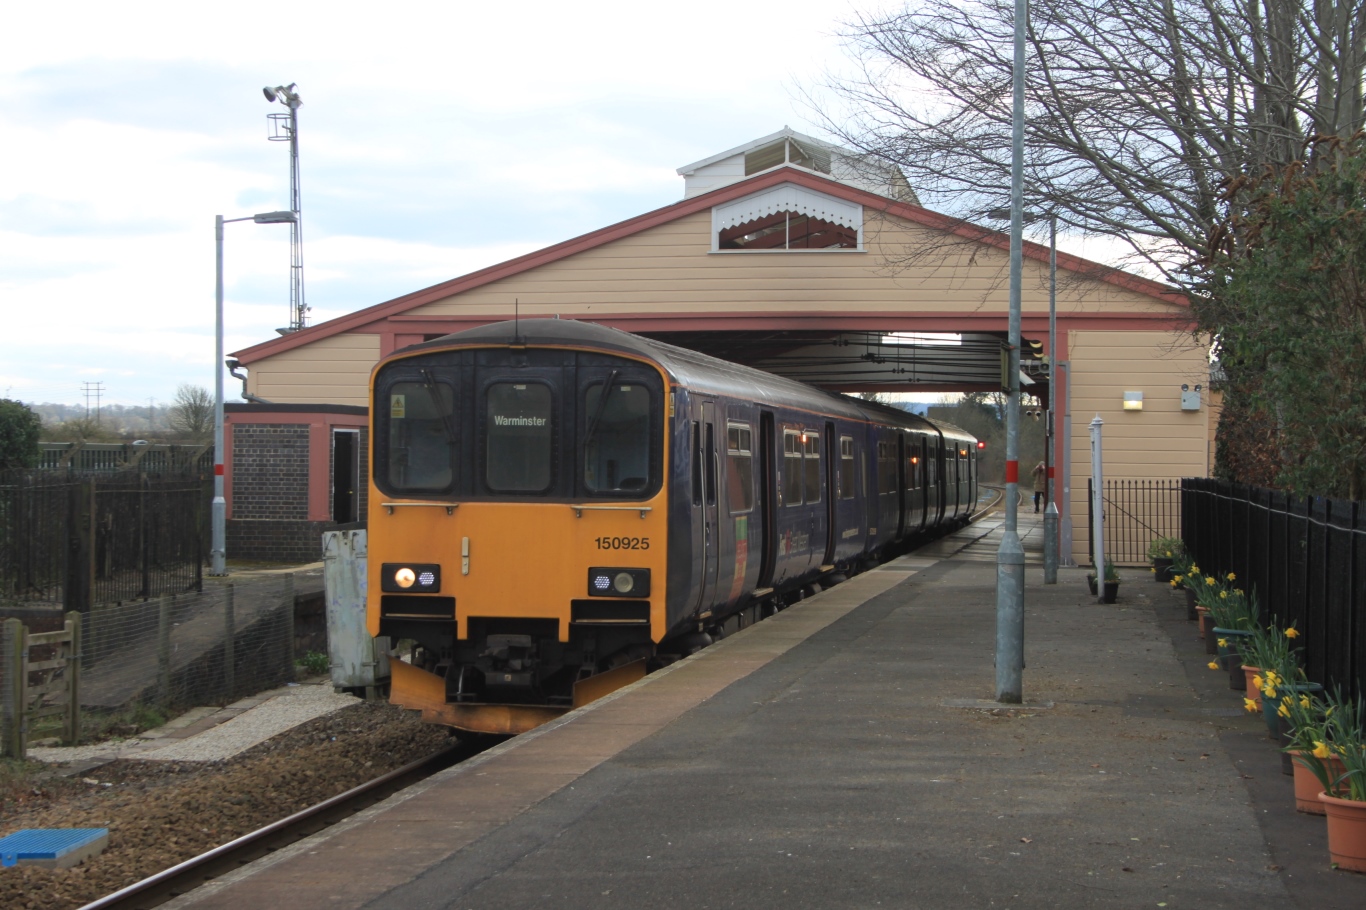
1346 832
1308 786
1252 691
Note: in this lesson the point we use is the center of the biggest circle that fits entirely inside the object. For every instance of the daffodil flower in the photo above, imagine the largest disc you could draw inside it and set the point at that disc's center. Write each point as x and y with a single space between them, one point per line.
1223 642
1283 711
1292 632
1250 705
1231 576
1305 702
1175 580
1223 595
1214 665
1269 691
1320 750
1209 580
1257 681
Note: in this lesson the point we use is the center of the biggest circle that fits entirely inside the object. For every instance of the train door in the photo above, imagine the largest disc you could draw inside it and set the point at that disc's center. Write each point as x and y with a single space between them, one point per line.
710 524
767 499
832 460
901 497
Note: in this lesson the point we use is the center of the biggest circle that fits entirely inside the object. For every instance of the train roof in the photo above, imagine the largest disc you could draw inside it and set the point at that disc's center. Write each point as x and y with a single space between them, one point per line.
691 369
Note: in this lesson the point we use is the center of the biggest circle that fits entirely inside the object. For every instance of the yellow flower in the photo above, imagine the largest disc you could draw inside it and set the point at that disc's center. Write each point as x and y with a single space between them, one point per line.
1269 691
1305 702
1231 576
1320 750
1195 569
1273 678
1175 580
1238 591
1209 579
1283 711
1169 553
1292 632
1257 681
1223 642
1223 595
1214 665
1250 705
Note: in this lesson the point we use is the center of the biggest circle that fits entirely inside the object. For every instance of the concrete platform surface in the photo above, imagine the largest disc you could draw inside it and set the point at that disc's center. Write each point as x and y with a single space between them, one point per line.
848 753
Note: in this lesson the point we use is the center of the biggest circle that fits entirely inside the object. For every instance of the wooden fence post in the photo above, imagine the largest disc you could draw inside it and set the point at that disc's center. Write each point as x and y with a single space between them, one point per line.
13 690
164 648
73 679
229 643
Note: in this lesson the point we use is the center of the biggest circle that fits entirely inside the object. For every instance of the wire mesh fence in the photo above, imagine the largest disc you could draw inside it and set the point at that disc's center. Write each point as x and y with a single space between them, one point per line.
79 540
176 651
1136 512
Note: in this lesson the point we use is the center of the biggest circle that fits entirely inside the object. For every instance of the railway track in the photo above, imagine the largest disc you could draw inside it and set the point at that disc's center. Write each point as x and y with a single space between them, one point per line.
190 874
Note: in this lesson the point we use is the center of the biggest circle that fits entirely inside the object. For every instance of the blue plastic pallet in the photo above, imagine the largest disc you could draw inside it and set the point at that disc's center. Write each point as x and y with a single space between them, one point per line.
52 848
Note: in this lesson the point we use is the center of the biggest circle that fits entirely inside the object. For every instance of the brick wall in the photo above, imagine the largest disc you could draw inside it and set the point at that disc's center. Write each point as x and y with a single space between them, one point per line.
270 471
276 540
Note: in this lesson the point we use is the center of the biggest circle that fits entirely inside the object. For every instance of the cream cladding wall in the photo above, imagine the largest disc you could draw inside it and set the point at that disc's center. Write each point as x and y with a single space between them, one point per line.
333 370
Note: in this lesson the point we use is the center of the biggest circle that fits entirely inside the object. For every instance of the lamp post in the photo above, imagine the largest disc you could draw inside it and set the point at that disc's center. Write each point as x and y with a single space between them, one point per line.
219 512
1010 555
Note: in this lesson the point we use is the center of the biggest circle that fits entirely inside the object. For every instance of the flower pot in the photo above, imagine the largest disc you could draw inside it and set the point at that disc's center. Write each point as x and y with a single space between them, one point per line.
1229 656
1110 592
1162 570
1272 705
1191 608
1091 583
1251 688
1346 832
1308 786
1207 632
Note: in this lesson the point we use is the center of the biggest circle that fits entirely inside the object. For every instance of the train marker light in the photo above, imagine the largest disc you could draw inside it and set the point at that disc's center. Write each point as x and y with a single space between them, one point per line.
981 444
607 581
417 578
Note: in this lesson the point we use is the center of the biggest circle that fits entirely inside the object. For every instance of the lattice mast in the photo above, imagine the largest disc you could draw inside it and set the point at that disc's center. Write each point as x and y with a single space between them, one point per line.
285 128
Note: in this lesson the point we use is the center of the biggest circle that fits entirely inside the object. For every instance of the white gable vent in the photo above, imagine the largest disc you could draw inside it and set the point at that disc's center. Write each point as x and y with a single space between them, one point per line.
787 217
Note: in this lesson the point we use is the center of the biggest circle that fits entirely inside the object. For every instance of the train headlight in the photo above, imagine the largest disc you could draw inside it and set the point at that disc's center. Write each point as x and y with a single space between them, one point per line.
410 578
605 581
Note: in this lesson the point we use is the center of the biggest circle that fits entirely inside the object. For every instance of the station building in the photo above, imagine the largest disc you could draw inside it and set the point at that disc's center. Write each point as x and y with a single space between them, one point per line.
785 253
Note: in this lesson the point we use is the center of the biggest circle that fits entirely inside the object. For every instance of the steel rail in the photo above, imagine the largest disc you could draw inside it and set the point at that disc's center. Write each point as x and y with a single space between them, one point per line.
163 886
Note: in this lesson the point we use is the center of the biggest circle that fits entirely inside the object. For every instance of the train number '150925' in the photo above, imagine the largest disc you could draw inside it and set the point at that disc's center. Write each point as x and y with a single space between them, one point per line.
622 543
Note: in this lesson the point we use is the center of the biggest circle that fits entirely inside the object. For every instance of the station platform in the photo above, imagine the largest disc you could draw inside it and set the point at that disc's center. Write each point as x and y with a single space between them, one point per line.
847 753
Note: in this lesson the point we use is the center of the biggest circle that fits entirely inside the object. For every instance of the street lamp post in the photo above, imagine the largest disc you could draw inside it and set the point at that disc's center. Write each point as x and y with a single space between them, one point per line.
1010 556
1050 512
219 512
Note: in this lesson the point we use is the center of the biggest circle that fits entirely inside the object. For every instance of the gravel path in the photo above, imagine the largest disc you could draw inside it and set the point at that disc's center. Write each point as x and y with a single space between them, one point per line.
163 811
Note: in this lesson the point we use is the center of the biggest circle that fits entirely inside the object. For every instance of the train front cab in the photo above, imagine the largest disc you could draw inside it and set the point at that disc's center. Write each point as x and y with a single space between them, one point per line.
518 529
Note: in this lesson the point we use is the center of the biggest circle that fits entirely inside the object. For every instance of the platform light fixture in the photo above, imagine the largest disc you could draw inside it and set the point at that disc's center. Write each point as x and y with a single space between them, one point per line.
1133 401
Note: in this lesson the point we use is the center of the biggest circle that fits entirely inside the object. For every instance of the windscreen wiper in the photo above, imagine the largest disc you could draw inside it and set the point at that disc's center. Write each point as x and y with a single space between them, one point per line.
430 385
602 406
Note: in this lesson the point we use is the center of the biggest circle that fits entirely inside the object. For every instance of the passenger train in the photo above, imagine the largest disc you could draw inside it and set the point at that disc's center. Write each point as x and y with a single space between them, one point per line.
556 505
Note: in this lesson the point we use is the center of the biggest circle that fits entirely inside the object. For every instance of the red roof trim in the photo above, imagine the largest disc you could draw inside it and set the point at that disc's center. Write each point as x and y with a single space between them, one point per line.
392 309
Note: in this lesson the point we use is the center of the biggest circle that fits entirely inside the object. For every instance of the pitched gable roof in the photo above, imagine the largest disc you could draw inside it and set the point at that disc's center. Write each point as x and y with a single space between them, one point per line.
912 213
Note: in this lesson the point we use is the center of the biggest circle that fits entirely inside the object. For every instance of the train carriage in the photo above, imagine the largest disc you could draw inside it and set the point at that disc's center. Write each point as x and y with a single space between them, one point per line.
555 504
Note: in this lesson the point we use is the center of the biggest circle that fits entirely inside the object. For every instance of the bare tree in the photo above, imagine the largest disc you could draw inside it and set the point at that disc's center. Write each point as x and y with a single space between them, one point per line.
1137 111
191 414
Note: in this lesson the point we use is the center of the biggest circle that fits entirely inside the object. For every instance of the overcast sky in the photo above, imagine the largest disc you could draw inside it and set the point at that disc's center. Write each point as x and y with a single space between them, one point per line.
435 138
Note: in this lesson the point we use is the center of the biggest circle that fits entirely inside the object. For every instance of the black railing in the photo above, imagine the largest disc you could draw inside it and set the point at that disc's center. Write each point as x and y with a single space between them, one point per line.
1136 512
80 540
1304 559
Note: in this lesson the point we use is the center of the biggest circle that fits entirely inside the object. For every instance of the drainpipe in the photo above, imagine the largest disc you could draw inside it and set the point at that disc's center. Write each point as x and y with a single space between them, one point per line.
233 367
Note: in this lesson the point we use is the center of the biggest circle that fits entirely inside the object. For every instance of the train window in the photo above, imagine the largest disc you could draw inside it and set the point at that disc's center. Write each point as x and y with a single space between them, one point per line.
616 438
696 463
811 444
740 476
792 468
711 464
422 436
519 435
846 467
886 467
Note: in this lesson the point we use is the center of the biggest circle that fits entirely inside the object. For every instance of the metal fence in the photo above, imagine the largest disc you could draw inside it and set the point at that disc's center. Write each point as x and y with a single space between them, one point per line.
175 651
83 540
1304 559
1136 512
111 457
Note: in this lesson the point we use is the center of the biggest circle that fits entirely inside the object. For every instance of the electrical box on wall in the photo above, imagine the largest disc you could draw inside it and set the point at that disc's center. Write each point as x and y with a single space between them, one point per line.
1190 398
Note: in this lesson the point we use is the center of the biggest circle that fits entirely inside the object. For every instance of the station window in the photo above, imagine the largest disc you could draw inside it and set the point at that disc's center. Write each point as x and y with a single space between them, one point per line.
519 433
740 464
846 467
792 468
811 445
788 231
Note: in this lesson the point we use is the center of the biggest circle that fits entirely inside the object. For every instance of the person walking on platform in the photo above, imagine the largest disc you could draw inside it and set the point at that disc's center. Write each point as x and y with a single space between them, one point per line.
1040 484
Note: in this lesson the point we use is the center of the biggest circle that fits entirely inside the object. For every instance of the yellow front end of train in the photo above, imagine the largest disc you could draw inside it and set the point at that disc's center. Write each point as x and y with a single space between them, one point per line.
517 550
